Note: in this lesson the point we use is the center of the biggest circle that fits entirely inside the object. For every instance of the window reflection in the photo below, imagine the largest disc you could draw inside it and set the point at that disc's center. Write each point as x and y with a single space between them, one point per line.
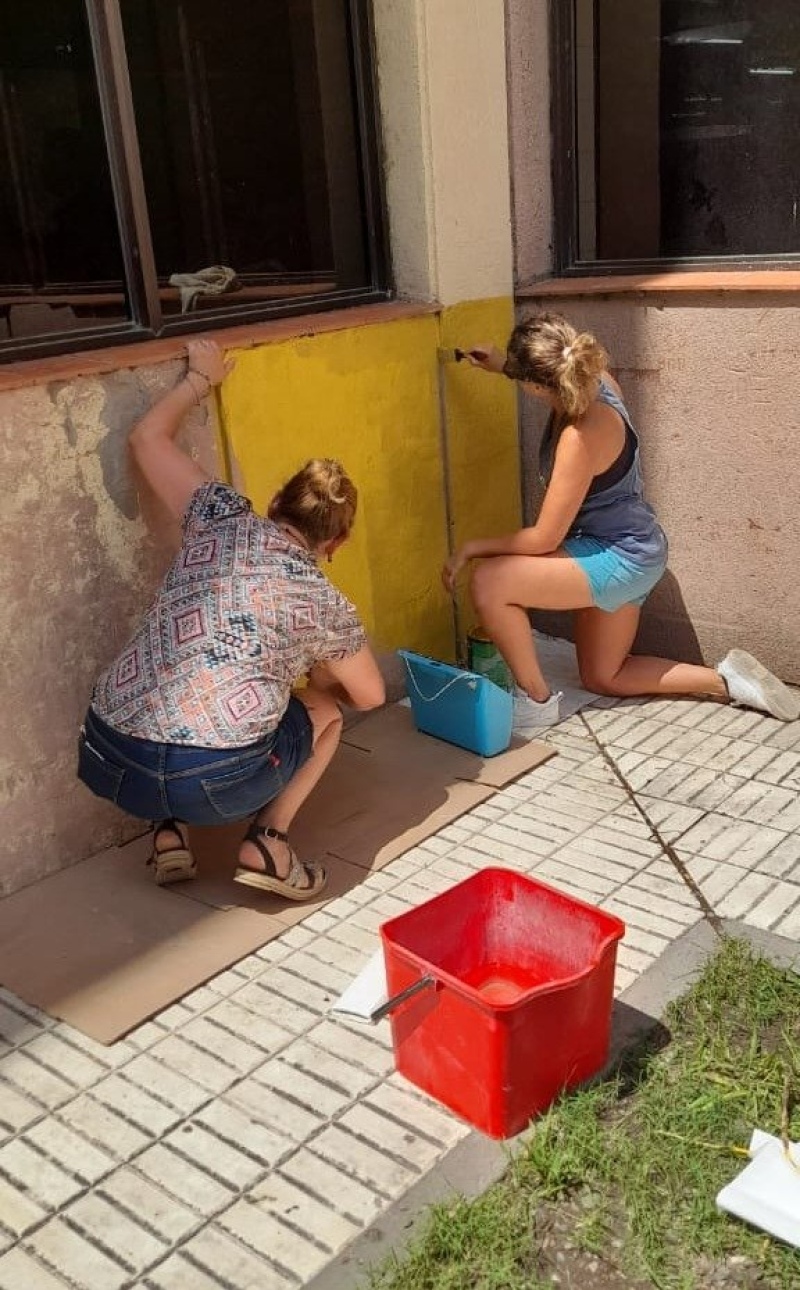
247 136
687 116
60 257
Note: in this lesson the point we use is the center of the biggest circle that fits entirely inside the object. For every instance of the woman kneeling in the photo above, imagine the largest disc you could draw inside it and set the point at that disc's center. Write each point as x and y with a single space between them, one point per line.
596 547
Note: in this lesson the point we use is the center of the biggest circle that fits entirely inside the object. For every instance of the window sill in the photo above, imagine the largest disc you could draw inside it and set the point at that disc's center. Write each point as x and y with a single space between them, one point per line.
702 282
66 367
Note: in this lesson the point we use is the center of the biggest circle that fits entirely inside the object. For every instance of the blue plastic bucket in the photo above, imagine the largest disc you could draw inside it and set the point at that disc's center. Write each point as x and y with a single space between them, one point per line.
459 706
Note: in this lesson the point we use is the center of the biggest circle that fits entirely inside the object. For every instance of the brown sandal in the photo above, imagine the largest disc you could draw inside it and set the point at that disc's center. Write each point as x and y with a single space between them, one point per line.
172 864
304 881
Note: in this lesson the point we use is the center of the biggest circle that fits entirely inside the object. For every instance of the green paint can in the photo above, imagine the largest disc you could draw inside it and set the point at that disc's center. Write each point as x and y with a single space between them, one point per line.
484 658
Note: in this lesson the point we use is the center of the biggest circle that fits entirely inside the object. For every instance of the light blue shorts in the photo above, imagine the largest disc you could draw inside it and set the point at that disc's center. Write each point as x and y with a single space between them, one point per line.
613 578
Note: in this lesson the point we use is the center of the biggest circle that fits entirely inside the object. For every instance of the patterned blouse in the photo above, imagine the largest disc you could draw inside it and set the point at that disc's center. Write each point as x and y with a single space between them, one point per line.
242 614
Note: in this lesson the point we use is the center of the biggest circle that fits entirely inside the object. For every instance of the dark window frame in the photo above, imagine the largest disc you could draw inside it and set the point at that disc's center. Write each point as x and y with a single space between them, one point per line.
564 135
147 321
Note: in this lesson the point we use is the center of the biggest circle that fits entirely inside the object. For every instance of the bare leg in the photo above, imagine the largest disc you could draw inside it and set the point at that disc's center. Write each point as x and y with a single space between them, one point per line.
326 718
505 587
603 642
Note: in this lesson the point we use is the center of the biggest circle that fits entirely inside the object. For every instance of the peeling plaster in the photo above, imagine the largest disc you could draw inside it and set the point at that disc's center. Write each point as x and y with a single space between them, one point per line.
102 471
83 570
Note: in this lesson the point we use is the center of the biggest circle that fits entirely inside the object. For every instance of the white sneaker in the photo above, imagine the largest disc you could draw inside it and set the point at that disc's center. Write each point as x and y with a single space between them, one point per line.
751 685
530 716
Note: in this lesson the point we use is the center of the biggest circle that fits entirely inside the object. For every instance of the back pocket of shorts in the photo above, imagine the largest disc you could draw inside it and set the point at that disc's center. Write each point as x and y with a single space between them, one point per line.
239 793
99 774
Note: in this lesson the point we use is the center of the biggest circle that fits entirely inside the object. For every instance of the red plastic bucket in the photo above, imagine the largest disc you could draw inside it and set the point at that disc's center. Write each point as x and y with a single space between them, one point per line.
507 989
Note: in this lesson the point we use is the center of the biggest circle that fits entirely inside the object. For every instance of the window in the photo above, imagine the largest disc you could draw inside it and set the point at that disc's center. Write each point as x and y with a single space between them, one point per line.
172 164
676 131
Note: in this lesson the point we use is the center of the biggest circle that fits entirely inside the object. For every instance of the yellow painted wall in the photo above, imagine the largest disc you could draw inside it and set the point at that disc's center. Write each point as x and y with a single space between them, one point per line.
482 431
371 397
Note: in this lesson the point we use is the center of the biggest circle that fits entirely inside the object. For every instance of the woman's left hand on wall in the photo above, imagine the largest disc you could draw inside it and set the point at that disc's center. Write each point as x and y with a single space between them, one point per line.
206 358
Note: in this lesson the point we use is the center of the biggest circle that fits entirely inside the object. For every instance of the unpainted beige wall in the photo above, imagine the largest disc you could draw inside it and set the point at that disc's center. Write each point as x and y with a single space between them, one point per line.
78 571
713 383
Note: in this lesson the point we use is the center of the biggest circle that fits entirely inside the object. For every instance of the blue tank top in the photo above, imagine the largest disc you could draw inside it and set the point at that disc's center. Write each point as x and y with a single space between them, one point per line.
617 514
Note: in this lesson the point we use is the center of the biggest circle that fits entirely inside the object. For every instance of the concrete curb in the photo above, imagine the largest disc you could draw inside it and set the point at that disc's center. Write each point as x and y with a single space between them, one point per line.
476 1161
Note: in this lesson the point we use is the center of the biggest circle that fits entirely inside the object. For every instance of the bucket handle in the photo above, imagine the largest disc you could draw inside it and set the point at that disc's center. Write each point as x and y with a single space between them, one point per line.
424 983
431 698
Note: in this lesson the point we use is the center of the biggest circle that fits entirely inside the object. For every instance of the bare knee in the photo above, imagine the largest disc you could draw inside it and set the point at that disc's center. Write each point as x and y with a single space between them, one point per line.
484 585
370 697
599 680
323 710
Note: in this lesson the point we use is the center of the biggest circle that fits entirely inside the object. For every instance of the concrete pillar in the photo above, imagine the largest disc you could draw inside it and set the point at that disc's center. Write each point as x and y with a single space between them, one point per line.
443 95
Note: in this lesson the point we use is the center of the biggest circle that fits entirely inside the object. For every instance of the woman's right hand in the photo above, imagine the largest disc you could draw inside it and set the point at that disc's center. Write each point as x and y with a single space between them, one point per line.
452 568
206 357
487 357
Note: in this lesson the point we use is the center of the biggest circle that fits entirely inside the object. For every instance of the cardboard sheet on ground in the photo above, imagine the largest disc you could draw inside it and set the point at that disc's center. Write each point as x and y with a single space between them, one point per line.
103 948
100 946
559 663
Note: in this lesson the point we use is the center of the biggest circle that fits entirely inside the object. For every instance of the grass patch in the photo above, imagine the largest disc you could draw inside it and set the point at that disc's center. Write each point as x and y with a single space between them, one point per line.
616 1186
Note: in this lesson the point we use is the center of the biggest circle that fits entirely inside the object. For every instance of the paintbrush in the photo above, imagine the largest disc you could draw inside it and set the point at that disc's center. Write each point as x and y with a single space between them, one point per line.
457 355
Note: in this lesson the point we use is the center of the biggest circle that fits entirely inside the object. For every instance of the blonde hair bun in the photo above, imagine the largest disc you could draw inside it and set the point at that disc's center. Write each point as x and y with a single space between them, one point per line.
319 501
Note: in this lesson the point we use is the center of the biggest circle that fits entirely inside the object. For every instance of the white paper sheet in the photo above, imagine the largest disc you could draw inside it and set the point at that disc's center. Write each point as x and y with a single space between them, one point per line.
366 993
767 1191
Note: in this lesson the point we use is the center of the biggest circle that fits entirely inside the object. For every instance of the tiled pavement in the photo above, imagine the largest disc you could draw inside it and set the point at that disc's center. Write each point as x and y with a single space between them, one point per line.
244 1137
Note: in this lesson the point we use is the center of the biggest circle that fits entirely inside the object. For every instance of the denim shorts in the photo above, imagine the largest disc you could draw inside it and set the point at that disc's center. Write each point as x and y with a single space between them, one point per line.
613 578
156 781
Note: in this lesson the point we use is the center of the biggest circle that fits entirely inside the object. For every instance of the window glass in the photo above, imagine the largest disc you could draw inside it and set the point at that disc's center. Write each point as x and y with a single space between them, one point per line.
246 122
60 256
687 118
